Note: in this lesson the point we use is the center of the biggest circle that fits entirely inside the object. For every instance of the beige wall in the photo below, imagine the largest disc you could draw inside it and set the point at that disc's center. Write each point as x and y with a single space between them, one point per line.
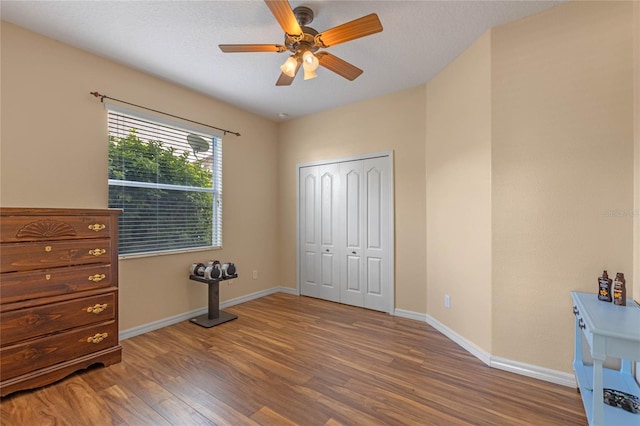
542 107
636 177
562 159
394 122
54 154
636 126
458 191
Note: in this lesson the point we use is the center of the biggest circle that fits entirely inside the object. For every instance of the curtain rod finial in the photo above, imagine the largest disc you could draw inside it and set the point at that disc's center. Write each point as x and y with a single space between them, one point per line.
98 95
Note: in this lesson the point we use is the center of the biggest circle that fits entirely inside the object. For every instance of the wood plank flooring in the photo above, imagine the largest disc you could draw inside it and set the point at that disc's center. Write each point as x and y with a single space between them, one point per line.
291 360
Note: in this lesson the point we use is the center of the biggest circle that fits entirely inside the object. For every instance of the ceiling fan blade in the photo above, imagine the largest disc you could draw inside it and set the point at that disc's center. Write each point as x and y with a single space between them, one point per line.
339 66
285 80
352 30
240 48
283 13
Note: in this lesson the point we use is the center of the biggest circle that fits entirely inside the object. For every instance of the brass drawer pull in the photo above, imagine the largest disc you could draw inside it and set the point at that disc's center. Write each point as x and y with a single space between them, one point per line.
97 308
97 252
97 277
47 248
97 227
97 338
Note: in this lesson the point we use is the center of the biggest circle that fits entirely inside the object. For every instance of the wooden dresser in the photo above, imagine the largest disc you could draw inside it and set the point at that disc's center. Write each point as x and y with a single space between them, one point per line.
58 294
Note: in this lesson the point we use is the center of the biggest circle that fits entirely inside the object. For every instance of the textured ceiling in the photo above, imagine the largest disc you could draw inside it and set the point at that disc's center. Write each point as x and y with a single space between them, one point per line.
178 41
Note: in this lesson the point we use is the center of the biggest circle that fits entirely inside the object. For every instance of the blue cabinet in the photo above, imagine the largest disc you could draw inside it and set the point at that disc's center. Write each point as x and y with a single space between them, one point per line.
609 330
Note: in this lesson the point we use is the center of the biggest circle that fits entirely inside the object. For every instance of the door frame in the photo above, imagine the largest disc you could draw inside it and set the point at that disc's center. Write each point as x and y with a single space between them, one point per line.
392 249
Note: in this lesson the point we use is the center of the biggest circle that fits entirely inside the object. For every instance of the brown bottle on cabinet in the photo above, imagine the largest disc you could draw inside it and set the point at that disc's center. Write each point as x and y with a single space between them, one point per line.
619 290
604 287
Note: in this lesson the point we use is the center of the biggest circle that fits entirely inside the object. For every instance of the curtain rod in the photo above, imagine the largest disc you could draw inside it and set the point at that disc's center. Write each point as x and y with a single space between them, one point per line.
103 97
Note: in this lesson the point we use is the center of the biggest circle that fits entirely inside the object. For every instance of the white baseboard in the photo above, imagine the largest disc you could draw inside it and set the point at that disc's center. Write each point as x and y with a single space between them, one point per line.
410 315
461 341
155 325
288 290
529 370
505 364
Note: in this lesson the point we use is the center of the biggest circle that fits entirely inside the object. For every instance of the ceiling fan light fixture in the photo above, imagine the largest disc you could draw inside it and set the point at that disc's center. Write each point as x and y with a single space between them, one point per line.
289 67
309 74
309 62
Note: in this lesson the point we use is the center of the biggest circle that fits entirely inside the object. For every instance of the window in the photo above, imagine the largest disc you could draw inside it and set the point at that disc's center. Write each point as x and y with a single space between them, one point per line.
167 179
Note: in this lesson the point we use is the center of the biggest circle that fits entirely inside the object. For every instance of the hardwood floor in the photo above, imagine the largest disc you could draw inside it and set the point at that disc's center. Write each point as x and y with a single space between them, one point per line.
294 360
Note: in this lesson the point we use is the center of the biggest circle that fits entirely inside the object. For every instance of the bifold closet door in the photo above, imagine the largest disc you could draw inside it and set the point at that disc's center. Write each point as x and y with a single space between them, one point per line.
378 243
319 261
344 234
365 208
352 275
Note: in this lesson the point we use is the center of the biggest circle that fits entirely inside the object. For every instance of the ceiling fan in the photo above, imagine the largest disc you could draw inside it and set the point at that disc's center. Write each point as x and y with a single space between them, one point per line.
304 42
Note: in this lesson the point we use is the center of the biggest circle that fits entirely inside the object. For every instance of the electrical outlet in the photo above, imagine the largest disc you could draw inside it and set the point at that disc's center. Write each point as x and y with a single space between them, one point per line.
447 301
255 275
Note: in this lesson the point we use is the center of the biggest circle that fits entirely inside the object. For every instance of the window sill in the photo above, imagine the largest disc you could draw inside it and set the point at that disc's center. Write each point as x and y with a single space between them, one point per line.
167 252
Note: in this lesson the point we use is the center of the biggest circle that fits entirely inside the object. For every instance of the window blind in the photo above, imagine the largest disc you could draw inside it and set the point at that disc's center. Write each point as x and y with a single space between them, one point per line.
168 182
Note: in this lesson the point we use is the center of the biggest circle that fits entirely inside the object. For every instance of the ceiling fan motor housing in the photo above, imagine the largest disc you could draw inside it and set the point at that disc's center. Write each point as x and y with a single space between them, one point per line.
298 44
303 14
306 41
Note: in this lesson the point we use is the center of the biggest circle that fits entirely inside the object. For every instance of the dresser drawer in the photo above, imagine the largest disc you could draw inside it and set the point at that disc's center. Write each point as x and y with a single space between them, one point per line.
27 323
30 228
35 354
16 286
29 256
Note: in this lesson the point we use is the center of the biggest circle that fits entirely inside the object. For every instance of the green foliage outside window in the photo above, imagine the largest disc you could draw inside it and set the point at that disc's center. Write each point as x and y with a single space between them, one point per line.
159 218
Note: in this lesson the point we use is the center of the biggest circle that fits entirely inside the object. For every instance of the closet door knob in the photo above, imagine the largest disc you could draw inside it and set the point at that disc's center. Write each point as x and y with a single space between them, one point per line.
353 252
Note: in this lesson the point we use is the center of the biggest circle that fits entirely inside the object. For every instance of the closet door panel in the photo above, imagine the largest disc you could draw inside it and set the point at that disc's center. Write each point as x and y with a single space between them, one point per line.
327 209
378 245
319 226
374 276
328 266
353 275
309 212
352 198
352 209
352 203
310 267
374 207
328 188
309 229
